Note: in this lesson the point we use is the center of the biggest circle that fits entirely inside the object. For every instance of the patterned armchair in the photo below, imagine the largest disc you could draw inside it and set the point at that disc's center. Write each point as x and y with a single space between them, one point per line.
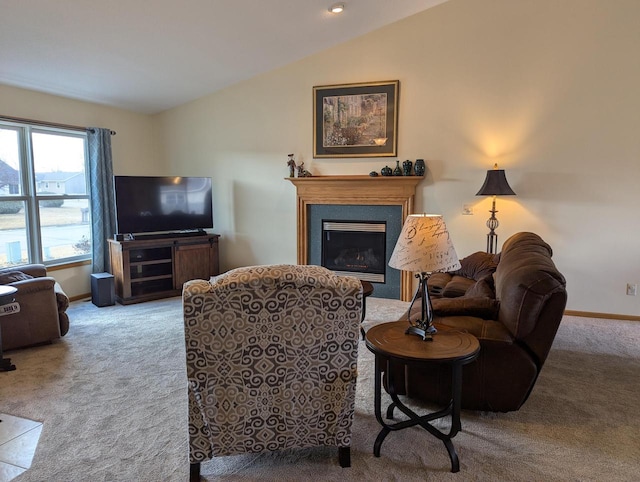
271 360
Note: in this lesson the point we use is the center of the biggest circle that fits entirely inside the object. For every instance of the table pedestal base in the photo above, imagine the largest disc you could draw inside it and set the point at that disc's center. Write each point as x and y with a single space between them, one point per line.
393 348
453 410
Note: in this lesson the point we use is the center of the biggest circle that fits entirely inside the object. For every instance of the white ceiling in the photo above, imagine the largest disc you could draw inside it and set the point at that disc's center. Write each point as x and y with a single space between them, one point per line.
151 55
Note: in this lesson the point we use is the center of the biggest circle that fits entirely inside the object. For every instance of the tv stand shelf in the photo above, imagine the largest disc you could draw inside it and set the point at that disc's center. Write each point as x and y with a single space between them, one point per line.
149 269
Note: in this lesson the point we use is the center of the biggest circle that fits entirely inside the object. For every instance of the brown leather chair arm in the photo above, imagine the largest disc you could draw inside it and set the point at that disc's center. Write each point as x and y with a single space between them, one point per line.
35 270
34 285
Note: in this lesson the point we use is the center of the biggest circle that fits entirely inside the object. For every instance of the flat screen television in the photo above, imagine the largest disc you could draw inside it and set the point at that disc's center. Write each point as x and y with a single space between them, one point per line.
152 204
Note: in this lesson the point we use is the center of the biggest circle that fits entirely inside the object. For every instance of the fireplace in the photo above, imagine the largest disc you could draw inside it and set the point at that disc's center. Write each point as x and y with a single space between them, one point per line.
357 234
365 198
355 248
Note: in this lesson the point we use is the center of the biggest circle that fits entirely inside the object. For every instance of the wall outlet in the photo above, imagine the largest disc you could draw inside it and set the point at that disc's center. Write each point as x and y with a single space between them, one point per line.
632 289
467 209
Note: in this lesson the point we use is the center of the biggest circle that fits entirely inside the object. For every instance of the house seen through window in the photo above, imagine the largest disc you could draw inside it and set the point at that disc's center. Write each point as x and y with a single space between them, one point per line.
44 195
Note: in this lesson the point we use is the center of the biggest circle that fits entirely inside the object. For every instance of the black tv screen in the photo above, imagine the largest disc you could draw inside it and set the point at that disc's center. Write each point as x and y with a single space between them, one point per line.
146 204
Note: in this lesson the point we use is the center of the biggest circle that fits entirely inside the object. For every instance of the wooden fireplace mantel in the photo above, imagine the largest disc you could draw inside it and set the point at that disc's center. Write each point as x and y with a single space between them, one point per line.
357 190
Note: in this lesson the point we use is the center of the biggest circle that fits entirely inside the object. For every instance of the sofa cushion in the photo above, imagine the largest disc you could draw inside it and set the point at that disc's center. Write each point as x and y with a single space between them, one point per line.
478 265
437 283
480 307
483 288
479 300
7 277
483 330
458 286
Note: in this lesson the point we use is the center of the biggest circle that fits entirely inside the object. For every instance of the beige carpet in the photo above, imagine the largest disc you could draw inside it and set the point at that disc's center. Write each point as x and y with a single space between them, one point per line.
112 398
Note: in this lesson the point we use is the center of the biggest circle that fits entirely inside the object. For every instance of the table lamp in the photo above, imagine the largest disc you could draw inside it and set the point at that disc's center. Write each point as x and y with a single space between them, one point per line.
495 184
424 246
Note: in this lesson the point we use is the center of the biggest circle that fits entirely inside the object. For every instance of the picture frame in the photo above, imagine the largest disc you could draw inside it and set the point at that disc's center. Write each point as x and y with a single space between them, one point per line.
356 120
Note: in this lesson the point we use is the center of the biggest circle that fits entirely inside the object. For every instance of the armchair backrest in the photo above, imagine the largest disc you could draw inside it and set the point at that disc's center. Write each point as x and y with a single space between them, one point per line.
271 359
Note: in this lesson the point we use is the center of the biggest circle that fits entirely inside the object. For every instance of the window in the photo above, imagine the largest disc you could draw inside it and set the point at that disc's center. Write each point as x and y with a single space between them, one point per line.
44 195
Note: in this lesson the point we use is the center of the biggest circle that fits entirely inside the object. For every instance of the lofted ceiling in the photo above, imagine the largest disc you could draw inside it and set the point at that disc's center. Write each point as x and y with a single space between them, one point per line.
151 55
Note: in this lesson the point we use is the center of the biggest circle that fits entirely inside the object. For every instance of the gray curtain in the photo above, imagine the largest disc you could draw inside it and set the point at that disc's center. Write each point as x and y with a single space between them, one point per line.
103 212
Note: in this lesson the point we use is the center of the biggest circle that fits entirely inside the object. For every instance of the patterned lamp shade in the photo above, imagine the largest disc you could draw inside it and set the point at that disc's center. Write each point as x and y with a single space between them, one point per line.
424 246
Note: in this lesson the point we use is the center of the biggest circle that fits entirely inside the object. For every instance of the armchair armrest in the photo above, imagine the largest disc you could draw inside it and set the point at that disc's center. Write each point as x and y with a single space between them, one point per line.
34 285
35 270
62 301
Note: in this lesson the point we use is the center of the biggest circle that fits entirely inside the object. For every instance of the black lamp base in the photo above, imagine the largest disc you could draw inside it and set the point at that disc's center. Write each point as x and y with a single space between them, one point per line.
492 224
425 333
492 242
422 327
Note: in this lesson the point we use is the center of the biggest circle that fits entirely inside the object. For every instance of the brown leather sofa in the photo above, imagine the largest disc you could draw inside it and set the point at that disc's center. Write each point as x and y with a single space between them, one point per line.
42 317
515 328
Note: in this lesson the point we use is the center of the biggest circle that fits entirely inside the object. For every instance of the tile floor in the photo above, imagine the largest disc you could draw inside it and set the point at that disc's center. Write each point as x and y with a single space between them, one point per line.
18 441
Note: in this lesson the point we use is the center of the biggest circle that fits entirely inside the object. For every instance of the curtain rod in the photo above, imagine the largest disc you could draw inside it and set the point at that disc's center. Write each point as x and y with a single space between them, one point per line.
48 124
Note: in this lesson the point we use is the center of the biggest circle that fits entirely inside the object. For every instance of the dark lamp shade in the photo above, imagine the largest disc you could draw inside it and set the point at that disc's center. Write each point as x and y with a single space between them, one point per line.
495 184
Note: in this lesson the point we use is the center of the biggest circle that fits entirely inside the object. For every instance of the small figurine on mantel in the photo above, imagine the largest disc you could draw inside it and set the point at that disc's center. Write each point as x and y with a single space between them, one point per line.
292 165
302 172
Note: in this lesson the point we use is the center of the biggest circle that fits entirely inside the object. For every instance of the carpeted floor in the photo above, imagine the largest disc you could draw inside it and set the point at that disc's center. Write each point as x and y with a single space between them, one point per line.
112 399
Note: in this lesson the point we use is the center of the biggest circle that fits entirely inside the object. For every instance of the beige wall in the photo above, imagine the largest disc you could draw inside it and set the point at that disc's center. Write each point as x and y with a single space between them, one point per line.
546 88
134 151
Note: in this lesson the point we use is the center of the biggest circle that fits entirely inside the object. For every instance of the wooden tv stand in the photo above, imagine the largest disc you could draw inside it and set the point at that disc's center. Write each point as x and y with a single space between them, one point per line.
149 269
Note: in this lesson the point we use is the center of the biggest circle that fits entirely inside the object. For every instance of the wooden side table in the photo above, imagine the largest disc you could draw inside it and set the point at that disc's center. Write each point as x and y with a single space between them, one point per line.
389 343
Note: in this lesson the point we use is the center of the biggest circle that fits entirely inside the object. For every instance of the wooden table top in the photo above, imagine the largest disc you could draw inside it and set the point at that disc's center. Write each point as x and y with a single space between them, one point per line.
390 339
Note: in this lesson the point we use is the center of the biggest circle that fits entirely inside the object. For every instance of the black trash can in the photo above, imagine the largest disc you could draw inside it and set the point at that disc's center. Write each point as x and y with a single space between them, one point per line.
103 291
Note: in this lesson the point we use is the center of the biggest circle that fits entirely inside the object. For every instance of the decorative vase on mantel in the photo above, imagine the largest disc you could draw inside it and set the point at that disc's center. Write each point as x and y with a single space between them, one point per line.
397 171
419 167
406 167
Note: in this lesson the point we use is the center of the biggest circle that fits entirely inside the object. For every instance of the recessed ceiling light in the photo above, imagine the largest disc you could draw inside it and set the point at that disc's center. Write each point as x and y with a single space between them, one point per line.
337 8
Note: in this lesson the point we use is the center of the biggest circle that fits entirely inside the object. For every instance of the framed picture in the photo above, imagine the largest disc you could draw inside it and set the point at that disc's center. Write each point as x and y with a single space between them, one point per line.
356 120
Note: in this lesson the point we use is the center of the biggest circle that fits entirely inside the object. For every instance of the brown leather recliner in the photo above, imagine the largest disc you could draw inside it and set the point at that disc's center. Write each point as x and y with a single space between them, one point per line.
515 330
42 317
